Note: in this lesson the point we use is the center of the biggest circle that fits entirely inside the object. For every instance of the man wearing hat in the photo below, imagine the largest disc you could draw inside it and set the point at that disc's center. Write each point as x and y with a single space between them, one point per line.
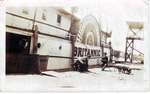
104 61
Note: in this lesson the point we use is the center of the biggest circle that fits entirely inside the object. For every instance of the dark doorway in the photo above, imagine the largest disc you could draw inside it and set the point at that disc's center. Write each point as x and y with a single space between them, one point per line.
17 44
17 53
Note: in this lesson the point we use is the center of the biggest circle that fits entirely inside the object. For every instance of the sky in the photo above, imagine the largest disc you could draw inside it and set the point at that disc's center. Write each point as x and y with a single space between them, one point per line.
113 15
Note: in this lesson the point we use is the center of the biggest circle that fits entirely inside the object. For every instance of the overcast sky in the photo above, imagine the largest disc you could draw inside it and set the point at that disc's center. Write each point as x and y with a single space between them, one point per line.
113 15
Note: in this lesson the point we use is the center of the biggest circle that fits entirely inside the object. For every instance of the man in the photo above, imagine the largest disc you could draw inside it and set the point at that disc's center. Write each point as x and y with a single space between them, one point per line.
86 63
104 61
81 64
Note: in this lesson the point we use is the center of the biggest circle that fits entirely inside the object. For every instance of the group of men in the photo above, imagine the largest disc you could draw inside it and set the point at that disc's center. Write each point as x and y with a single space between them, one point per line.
81 64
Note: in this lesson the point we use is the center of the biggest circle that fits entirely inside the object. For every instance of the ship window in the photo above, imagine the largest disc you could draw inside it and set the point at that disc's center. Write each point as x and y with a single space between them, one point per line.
25 11
44 16
58 18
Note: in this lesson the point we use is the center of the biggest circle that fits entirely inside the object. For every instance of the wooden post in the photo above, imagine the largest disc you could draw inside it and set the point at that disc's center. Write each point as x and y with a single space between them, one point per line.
126 51
110 49
34 50
35 39
131 60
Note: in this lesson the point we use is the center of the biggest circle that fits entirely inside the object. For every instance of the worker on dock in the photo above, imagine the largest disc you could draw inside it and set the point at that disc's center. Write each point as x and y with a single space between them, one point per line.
104 61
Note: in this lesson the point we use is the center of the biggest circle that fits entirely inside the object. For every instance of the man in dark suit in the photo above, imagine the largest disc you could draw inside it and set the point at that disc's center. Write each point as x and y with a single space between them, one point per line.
104 61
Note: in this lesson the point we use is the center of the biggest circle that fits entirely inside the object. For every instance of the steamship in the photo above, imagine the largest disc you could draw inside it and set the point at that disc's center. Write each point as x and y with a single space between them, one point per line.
50 38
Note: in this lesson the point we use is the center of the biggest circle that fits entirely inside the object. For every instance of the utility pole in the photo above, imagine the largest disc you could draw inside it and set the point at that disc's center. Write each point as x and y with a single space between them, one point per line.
35 34
72 34
35 39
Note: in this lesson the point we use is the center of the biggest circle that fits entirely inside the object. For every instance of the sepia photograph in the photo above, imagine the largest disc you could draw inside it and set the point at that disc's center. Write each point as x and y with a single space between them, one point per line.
74 46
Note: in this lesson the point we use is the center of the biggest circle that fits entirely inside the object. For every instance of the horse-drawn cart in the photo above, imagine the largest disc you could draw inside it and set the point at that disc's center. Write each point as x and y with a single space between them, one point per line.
123 68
